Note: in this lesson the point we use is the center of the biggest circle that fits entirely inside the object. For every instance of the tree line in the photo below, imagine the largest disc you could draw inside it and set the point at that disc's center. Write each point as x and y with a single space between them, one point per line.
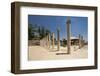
37 32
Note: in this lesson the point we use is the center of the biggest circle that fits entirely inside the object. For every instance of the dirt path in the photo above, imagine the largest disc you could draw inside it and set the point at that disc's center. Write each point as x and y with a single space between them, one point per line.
40 53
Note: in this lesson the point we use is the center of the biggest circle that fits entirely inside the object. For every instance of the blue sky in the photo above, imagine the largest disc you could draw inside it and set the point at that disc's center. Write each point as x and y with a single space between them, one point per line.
79 25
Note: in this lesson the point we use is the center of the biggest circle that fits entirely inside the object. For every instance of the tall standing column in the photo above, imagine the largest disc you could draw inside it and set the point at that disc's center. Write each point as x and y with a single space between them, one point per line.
53 41
83 42
49 40
68 35
79 41
58 38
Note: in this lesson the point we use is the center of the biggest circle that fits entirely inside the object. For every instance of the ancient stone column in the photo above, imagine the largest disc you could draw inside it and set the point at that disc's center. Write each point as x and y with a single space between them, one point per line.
58 39
83 41
79 41
49 40
53 41
68 35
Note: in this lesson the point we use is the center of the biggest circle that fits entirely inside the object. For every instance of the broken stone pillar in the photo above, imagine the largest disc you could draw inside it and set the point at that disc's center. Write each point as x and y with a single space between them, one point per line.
68 35
53 42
